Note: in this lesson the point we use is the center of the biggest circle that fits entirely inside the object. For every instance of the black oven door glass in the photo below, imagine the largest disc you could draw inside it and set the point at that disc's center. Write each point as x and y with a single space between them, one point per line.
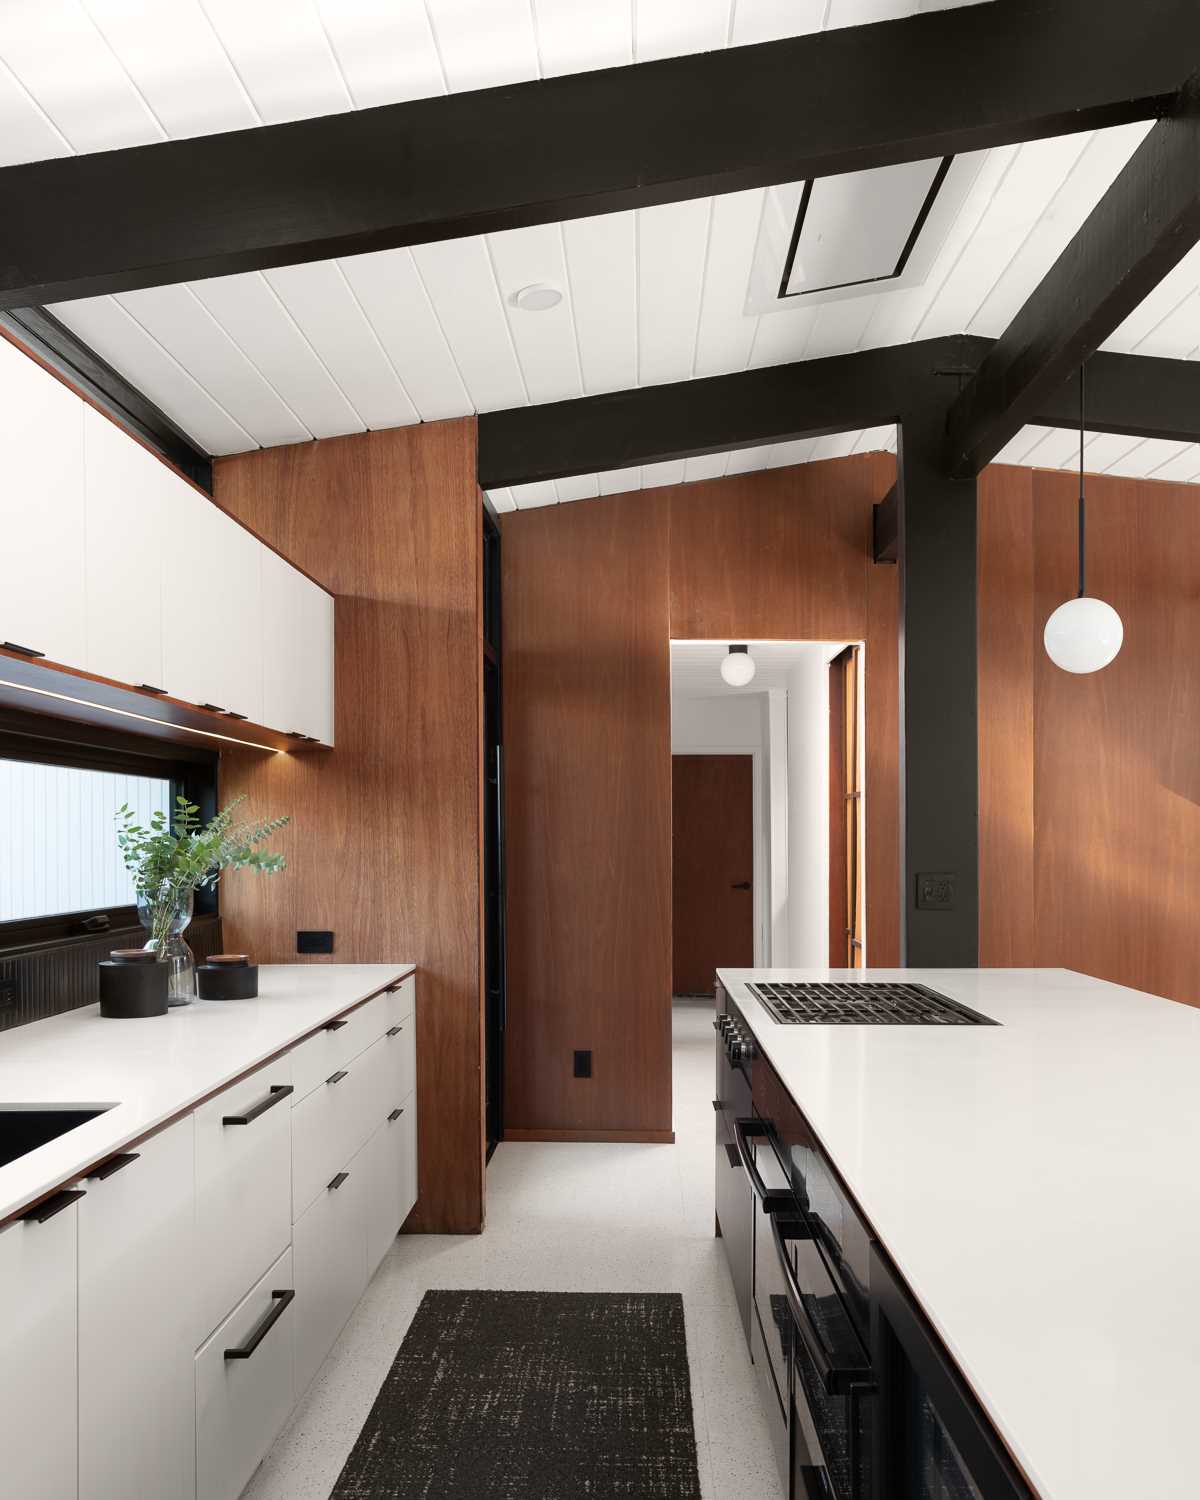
939 1471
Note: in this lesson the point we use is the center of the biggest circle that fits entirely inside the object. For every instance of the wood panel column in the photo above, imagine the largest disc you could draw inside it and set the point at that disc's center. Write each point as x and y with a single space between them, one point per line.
939 715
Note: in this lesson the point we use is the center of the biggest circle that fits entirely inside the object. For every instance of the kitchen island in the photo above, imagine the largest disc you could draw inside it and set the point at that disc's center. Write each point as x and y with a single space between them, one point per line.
1034 1184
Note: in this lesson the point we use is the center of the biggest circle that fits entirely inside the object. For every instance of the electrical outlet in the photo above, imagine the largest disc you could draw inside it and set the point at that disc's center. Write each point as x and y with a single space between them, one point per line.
314 942
583 1064
936 892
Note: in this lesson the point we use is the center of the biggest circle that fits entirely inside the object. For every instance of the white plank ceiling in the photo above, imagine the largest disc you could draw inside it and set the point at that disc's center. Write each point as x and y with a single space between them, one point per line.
696 665
416 335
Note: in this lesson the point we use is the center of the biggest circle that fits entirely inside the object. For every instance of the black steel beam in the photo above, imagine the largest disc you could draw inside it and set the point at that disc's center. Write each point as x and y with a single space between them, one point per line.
82 367
1136 394
591 143
654 423
938 708
1140 230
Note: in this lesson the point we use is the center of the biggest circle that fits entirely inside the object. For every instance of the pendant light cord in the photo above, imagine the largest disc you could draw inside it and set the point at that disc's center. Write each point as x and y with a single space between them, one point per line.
1082 503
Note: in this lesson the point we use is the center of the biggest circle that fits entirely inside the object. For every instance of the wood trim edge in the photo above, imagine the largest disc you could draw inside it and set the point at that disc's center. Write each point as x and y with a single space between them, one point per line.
629 1137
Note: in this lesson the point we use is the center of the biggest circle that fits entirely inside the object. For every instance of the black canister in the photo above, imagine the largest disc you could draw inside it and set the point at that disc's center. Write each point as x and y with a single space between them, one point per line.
132 984
227 976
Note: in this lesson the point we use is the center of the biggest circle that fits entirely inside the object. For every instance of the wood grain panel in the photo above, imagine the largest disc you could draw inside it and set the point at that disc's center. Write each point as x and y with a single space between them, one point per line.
1116 815
881 764
587 733
1009 641
384 847
712 854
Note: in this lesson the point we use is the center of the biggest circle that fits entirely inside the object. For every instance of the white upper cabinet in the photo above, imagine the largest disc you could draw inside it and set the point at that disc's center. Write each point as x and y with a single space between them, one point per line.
42 603
125 506
212 607
297 651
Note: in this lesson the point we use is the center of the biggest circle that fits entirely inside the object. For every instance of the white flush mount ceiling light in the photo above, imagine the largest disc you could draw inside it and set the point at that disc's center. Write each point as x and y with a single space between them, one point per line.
539 297
1083 634
738 667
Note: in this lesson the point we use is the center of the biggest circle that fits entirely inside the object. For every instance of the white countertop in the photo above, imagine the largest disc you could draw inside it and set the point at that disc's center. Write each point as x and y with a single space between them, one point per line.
1038 1185
153 1068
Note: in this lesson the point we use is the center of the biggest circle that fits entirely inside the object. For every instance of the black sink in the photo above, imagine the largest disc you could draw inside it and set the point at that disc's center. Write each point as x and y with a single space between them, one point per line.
25 1128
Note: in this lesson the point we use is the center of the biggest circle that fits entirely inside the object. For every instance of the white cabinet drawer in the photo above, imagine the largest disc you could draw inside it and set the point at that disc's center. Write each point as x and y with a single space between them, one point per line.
339 1041
137 1317
366 1024
243 1187
391 1180
323 1130
37 1363
400 1041
402 1000
330 1250
241 1403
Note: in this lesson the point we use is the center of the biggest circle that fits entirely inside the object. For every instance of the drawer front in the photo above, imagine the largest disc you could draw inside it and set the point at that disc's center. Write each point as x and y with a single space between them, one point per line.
400 1040
330 1250
402 1000
315 1058
241 1404
243 1188
322 1131
391 1156
366 1025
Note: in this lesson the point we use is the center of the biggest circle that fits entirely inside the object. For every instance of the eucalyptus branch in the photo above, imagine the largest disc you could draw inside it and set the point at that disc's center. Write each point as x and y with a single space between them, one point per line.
168 859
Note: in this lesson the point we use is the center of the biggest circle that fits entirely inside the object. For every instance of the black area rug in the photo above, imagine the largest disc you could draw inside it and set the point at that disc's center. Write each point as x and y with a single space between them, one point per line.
532 1396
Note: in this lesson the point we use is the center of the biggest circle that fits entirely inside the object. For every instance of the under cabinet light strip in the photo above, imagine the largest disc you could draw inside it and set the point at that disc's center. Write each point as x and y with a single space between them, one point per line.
126 713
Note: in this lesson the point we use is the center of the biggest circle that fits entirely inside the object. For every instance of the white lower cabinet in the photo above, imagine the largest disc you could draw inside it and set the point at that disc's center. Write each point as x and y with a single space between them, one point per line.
136 1275
243 1187
329 1243
245 1384
391 1172
38 1419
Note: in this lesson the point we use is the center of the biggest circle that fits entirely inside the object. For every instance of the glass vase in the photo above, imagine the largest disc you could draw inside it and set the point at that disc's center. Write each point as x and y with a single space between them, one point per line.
165 920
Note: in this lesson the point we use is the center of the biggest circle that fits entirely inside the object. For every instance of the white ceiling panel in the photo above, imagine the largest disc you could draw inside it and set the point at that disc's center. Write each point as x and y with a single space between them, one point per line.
670 471
579 487
617 481
574 38
483 43
282 56
58 55
26 132
726 333
704 466
1104 453
670 28
772 20
545 342
533 496
393 297
501 501
672 241
326 311
269 335
696 666
171 53
602 267
187 330
104 324
384 48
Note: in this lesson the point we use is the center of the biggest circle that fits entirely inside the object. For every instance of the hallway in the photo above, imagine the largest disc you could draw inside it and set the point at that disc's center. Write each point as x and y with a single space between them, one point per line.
565 1217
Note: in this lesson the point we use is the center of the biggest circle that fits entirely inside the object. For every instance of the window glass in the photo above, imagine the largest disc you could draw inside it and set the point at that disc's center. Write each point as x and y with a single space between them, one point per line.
58 843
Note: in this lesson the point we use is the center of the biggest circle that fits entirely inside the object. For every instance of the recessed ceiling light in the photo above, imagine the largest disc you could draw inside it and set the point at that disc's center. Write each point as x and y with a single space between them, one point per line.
540 297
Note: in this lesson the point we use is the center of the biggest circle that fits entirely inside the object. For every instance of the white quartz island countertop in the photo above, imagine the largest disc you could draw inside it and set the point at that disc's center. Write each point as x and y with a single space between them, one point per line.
154 1068
1038 1185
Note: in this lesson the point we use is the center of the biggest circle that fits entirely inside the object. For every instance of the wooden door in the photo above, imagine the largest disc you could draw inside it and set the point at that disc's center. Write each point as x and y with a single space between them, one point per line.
845 814
713 868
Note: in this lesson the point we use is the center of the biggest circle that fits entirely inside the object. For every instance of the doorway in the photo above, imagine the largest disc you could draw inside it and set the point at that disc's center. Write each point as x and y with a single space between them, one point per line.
712 853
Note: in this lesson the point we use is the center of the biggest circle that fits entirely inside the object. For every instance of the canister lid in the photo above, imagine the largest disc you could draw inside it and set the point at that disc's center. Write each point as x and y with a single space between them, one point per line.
229 960
134 956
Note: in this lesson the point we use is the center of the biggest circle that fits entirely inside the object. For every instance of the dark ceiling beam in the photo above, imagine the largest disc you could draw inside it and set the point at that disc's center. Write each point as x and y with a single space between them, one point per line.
41 333
660 422
1140 230
590 143
1136 394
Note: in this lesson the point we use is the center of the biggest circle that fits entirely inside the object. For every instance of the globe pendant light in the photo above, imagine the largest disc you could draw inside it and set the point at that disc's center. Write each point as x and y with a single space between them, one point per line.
1083 634
738 667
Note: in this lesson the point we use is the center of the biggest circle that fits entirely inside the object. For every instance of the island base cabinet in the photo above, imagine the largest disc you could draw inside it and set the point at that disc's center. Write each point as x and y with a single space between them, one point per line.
391 1155
136 1274
38 1427
242 1403
329 1242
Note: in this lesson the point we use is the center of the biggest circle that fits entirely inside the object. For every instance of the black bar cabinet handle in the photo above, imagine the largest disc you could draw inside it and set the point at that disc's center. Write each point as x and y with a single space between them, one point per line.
394 1030
773 1200
213 708
48 1207
836 1379
21 650
113 1165
338 1076
334 1025
279 1092
394 1116
717 1105
148 687
244 1351
337 1181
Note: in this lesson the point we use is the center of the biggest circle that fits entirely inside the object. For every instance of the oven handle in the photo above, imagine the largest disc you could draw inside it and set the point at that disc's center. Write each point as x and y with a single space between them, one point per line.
838 1380
773 1200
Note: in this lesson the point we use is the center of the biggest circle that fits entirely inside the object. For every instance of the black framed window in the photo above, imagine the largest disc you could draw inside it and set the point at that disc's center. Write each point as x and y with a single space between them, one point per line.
61 784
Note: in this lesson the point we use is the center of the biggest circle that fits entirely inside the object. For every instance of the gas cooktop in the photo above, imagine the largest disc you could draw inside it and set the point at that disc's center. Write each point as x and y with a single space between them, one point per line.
865 1002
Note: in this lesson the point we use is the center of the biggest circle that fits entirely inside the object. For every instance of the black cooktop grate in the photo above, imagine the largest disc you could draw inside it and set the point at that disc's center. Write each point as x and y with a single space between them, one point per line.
866 1002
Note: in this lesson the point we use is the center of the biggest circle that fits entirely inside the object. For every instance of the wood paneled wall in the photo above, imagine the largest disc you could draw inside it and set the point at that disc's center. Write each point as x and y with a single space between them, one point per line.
592 595
384 846
1091 784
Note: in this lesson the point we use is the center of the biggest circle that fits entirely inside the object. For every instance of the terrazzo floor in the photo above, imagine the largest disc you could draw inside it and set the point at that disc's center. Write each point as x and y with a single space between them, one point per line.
565 1217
